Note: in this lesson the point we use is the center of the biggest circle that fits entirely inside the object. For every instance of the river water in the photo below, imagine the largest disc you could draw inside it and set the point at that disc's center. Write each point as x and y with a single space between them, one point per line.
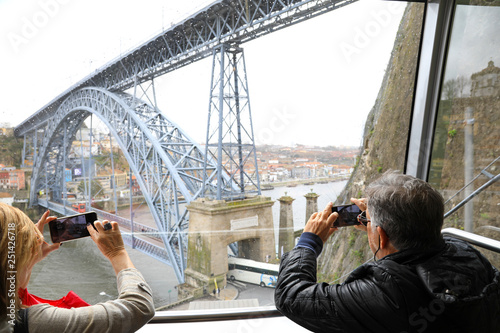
327 192
79 266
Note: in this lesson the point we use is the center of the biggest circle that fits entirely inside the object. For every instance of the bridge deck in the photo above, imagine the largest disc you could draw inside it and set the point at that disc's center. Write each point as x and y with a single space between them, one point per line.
144 238
190 40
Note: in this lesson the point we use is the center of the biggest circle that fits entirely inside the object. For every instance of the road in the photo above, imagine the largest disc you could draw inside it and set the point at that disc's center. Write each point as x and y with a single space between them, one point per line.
265 295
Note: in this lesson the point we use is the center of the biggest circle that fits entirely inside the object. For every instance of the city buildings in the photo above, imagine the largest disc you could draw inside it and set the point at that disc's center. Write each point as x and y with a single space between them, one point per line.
12 178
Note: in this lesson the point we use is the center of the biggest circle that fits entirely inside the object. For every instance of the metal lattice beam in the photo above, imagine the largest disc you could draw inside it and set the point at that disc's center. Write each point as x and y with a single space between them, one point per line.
224 21
230 138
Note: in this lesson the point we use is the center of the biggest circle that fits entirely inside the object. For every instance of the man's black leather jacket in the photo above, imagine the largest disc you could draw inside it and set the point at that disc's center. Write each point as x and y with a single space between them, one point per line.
452 288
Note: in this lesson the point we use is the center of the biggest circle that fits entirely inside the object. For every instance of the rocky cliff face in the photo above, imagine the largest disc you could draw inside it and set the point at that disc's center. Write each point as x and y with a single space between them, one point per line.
384 145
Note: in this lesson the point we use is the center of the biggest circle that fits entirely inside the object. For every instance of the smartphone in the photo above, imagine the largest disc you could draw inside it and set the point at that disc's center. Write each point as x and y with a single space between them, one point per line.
348 215
71 227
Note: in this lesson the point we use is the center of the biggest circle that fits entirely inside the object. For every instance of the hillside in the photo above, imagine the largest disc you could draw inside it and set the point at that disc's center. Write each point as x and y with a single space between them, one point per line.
384 144
11 149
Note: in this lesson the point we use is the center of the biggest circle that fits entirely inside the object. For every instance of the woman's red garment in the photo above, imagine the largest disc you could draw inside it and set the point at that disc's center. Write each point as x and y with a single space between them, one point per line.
71 300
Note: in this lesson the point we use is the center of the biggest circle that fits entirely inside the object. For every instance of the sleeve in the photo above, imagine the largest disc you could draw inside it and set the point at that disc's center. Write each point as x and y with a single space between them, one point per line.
374 298
321 307
130 311
311 241
297 294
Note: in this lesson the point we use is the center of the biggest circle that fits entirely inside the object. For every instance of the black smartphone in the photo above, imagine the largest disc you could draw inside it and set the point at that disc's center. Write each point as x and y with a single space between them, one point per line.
348 215
71 227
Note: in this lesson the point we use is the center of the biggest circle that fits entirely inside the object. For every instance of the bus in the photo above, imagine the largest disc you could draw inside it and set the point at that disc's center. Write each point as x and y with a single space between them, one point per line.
255 272
80 207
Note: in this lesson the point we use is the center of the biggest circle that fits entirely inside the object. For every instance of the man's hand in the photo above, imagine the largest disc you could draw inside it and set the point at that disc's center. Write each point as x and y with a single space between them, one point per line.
321 223
361 203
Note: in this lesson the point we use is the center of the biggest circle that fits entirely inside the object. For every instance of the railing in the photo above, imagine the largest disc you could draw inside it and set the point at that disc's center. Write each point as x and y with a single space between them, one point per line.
215 315
177 317
146 247
123 222
481 241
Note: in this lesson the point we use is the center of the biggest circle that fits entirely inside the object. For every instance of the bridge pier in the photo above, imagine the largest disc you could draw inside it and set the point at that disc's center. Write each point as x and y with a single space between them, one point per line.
213 225
311 204
286 238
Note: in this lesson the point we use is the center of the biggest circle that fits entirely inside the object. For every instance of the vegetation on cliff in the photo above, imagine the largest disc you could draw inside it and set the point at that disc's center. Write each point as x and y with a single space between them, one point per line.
11 149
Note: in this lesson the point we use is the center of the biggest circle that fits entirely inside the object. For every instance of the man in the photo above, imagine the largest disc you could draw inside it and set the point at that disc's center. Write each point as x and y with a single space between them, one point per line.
419 282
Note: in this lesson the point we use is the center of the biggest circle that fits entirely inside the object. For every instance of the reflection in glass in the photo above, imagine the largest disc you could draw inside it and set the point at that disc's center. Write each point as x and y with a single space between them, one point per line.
466 143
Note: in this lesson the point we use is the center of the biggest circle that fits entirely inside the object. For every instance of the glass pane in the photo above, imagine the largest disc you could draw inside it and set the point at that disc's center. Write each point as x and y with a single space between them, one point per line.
466 147
331 100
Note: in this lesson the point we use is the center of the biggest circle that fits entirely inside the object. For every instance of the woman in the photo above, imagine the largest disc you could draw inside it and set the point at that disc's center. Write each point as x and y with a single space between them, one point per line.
22 246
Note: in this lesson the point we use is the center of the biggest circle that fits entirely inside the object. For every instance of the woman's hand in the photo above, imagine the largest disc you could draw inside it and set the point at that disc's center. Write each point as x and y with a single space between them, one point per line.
321 223
110 243
46 248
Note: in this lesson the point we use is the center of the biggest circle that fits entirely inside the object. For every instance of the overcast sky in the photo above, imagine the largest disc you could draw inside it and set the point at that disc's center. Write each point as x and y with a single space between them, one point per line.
312 83
475 40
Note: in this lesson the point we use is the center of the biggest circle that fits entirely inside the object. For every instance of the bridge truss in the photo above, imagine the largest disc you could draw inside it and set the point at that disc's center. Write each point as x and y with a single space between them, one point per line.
232 22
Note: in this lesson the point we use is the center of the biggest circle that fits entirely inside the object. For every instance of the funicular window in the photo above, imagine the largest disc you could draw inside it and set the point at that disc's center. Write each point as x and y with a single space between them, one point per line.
331 111
466 149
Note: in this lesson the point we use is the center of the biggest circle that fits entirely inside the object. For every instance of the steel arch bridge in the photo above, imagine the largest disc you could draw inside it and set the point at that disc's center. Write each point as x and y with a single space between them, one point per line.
167 163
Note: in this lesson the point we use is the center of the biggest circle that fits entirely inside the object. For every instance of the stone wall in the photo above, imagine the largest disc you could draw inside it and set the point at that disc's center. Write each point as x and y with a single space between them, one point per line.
214 224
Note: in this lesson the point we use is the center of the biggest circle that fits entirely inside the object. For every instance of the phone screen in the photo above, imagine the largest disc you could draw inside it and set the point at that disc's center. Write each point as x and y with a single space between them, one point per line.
71 227
348 215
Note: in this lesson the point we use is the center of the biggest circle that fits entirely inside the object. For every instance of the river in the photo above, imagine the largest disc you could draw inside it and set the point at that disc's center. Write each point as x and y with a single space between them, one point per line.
327 192
79 266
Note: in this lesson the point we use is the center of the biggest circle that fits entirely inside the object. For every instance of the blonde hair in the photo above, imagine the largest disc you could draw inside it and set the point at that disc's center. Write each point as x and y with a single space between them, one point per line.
19 236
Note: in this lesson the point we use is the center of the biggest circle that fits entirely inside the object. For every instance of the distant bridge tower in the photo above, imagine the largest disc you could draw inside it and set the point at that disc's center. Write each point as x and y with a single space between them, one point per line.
230 138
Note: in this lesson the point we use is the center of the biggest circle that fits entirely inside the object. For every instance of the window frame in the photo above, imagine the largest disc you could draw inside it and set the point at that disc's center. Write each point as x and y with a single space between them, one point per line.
438 18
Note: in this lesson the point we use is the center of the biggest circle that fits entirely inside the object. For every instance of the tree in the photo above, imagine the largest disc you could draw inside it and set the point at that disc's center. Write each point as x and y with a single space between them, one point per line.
454 88
450 89
462 82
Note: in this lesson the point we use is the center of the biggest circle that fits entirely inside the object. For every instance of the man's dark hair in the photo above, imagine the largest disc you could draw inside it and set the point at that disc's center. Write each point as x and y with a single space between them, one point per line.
408 209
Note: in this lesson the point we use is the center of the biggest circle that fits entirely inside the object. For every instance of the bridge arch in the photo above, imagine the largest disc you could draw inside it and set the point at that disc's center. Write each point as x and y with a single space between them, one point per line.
167 163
